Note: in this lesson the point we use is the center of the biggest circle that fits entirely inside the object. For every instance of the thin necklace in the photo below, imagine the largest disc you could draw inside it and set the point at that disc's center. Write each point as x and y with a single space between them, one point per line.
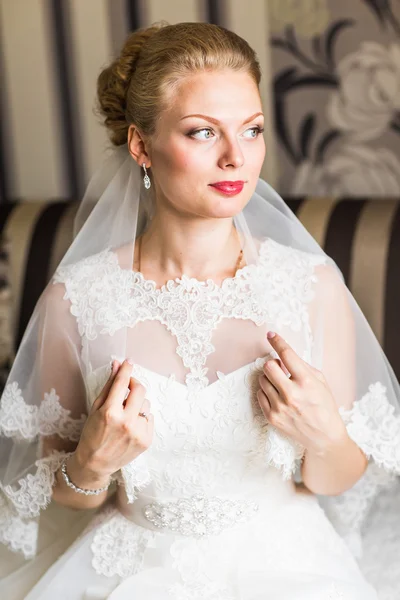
237 266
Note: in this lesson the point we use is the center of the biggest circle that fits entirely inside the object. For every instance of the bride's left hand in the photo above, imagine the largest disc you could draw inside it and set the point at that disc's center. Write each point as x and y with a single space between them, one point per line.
302 406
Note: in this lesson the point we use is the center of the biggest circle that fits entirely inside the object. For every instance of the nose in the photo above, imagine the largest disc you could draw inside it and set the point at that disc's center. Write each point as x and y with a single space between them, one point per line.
231 155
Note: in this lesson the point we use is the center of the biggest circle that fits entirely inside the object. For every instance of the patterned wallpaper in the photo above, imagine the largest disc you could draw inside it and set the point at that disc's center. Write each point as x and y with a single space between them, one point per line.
330 89
337 96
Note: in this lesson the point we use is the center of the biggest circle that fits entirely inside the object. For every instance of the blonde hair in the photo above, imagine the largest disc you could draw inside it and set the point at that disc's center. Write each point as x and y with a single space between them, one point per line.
136 86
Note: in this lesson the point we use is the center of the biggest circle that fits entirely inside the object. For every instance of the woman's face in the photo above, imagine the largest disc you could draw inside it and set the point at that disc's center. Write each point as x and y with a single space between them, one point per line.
189 153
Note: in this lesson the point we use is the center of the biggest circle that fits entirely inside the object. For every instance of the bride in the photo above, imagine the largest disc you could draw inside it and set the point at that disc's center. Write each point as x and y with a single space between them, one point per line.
196 372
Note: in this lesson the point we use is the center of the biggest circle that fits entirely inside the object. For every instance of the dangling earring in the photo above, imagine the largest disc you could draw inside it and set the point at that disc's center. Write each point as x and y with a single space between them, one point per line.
146 178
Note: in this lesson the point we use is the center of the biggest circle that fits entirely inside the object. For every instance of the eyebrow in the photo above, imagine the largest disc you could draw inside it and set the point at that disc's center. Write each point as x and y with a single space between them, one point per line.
212 120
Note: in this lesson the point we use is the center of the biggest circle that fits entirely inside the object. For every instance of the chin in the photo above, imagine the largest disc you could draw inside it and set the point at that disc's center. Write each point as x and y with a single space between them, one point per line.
227 207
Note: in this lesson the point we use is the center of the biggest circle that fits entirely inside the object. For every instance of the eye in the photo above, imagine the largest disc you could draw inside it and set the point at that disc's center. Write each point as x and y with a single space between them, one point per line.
205 129
257 129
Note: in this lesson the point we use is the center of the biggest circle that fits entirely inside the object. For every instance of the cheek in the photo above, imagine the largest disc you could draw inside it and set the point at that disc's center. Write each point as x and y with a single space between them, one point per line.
178 173
181 171
184 164
255 156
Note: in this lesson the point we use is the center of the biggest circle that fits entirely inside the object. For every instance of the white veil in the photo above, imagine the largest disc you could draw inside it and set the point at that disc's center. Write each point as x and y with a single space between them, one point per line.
92 311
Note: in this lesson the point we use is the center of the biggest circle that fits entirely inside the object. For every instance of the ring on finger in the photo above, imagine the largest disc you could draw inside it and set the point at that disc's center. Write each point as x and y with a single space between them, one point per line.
145 415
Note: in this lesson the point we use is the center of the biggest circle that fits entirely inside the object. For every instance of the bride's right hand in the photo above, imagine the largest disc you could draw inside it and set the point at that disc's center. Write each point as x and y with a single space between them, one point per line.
114 433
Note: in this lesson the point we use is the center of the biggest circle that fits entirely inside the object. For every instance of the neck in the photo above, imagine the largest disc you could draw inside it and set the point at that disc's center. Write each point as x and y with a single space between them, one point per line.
175 245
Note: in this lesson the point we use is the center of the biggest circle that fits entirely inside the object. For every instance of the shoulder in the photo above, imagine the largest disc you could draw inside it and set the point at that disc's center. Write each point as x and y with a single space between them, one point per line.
273 252
331 289
76 289
85 270
94 288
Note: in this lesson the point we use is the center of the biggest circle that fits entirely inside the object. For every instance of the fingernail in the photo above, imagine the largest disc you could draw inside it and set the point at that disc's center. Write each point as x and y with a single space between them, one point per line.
130 361
271 334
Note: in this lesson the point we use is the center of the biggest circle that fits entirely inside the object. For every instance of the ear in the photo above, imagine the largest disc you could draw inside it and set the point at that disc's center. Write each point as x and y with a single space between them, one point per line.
137 146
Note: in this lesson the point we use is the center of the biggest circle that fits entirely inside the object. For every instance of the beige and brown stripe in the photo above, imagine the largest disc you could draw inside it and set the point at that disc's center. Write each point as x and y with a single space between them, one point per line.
363 238
369 259
38 235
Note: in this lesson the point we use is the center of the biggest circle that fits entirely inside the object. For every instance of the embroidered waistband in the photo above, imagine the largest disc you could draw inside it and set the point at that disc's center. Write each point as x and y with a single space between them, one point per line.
195 516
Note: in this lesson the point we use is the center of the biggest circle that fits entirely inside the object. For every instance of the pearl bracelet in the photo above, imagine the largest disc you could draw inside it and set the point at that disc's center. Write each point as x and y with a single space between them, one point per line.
78 489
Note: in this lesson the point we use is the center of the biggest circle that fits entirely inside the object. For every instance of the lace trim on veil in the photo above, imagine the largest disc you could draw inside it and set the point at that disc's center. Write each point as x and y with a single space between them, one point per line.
23 422
17 534
372 424
21 503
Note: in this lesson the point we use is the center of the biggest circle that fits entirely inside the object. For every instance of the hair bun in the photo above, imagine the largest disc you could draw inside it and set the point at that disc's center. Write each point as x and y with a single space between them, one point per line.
113 83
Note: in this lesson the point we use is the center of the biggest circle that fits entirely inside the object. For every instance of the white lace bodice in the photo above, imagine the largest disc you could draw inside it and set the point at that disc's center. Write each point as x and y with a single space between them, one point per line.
216 439
106 298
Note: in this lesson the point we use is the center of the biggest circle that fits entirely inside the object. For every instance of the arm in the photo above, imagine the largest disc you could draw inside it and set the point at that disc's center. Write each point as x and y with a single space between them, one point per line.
305 408
337 466
82 477
61 369
44 418
113 433
335 469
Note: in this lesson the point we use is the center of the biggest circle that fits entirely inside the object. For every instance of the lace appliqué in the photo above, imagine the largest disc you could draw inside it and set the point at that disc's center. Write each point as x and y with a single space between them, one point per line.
282 453
277 288
21 504
202 573
33 492
118 546
135 477
372 424
24 422
17 534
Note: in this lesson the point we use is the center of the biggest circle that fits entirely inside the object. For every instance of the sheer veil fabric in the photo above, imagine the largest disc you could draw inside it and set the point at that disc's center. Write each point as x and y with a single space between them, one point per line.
80 323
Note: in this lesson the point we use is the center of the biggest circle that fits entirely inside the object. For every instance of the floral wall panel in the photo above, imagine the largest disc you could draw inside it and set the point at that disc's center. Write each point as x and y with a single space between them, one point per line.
337 96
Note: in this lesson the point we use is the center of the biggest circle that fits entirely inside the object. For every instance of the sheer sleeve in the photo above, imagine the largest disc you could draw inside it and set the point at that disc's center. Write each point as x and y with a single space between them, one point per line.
42 412
364 391
334 336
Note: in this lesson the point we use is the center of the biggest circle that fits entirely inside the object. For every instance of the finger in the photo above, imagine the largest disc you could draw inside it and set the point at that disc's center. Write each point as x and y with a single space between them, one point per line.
146 406
115 365
270 393
292 361
150 423
274 354
269 403
276 376
136 398
318 374
263 401
120 384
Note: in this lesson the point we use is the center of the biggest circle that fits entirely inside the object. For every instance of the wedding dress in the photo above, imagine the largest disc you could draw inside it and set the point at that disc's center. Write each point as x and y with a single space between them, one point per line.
211 510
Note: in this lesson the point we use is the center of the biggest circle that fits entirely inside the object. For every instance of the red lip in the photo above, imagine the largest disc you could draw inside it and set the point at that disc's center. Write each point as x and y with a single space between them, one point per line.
230 188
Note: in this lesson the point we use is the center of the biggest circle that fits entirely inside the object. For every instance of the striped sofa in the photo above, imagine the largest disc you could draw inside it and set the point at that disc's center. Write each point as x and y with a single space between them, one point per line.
362 236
